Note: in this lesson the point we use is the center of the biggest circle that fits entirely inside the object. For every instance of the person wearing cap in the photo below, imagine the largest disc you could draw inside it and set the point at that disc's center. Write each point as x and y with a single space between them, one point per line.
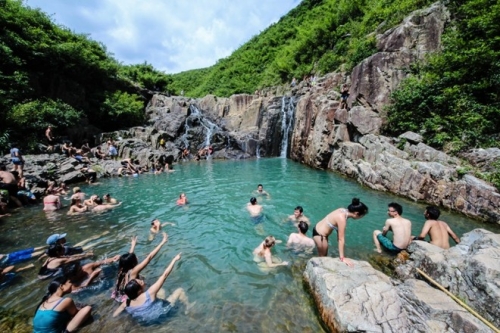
61 239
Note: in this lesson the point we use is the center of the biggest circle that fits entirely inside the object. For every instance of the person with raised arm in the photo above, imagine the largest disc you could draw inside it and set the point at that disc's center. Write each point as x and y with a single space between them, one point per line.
57 313
129 267
145 304
337 220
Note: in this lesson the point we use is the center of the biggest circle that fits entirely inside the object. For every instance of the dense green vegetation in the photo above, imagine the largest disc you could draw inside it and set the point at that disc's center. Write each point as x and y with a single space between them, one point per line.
50 75
316 37
453 99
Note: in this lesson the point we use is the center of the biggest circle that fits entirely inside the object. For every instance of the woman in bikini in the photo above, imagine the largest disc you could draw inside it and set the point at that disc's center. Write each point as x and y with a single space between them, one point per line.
337 220
51 202
129 268
57 313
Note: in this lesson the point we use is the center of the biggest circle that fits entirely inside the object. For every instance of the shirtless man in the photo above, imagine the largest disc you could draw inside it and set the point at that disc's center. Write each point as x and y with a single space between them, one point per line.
438 231
401 229
50 138
298 215
109 200
8 182
254 208
103 207
300 239
260 191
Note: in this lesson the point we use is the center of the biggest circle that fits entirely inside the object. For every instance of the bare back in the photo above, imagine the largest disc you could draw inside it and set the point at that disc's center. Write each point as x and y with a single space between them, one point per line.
401 229
439 234
335 220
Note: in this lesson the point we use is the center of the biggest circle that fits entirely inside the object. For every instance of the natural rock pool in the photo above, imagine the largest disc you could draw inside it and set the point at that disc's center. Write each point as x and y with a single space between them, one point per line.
216 238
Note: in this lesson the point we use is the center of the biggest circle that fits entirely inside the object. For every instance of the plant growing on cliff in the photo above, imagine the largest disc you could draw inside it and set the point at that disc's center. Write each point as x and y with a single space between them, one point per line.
453 99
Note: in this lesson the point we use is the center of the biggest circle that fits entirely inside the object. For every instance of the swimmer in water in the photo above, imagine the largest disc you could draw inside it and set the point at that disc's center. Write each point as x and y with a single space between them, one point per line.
298 215
254 208
264 251
261 192
182 199
156 226
82 276
300 240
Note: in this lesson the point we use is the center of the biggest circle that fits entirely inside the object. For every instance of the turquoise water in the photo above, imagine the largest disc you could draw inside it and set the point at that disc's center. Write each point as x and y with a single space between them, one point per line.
216 238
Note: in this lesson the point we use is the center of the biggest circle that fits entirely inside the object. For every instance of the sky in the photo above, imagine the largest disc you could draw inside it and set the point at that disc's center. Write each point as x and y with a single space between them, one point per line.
172 35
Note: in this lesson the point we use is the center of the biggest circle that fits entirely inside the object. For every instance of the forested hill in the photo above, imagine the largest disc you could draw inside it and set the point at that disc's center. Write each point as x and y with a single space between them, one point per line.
51 75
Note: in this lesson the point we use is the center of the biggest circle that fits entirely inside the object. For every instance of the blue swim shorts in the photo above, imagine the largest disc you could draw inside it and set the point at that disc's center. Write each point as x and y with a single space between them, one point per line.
387 244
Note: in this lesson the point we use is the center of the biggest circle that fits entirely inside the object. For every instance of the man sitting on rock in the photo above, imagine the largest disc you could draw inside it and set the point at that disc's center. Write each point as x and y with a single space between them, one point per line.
401 229
438 231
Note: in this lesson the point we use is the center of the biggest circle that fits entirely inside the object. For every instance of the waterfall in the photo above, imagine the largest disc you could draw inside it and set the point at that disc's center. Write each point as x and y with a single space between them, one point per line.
257 151
287 111
209 126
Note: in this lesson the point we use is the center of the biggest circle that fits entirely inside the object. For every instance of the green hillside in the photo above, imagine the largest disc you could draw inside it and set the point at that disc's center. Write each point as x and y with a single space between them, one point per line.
316 37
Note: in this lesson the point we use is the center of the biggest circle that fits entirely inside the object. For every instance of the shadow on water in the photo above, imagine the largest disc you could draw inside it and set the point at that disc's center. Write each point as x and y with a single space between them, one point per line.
216 238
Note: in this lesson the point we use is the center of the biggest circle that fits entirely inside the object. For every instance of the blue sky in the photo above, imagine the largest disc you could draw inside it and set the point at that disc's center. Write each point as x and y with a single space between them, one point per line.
172 35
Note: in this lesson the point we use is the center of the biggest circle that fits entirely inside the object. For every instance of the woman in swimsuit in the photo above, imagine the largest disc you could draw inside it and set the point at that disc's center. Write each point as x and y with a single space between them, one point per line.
51 202
129 268
145 304
52 266
57 313
76 206
337 220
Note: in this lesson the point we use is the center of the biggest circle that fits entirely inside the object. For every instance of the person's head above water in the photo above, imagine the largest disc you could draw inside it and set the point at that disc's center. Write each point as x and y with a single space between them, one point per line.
260 188
133 289
55 251
269 241
358 207
298 211
253 200
303 227
156 223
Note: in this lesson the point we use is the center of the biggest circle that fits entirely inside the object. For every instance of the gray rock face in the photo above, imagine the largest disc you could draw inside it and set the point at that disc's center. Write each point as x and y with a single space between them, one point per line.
469 270
362 299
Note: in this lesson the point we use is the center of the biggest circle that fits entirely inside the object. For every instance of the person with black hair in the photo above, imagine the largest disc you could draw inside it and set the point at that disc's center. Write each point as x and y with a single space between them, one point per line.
129 267
337 220
298 215
53 265
300 239
254 208
439 231
57 313
81 276
146 304
400 227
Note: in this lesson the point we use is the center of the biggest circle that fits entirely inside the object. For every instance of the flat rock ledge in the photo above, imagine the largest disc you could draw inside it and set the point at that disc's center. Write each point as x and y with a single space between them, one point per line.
362 299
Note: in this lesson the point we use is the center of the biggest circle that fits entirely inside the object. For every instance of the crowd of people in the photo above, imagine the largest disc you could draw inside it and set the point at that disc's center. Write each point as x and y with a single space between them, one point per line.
59 313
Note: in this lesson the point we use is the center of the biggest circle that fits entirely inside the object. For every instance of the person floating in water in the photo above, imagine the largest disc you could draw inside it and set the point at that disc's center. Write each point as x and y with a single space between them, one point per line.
261 192
82 276
337 220
57 260
21 255
300 240
57 313
298 215
145 304
182 199
254 208
156 227
264 251
439 231
400 227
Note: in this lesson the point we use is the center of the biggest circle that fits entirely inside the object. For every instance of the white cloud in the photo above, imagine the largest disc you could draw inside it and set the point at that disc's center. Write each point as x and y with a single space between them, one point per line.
173 35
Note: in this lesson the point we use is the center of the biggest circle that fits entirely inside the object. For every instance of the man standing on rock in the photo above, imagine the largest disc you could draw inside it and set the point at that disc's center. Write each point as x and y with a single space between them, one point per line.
401 228
438 231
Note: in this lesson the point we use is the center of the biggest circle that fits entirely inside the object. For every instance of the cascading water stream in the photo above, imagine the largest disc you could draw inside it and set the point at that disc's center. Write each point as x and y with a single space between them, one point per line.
287 112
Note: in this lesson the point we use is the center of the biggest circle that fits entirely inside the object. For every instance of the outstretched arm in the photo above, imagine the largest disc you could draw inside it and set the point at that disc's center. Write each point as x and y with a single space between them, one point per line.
153 290
165 223
133 243
269 260
137 269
